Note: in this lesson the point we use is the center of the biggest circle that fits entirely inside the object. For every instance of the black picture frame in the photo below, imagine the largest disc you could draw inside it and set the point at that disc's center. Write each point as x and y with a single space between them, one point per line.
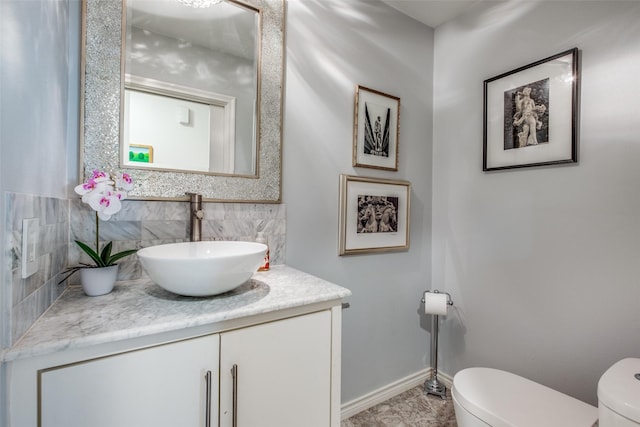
542 95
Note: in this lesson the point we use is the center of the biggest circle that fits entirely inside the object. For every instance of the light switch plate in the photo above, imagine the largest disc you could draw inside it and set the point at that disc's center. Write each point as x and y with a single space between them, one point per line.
30 231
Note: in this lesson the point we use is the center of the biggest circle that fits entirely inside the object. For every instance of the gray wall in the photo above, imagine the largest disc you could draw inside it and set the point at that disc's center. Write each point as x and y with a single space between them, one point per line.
332 46
39 122
40 50
543 262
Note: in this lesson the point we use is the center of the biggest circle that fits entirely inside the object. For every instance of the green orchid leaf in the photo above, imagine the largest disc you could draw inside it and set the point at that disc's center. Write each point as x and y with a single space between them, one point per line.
106 253
68 272
120 255
93 254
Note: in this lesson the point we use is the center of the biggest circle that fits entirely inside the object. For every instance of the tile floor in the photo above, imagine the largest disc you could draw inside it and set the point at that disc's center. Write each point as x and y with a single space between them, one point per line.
410 409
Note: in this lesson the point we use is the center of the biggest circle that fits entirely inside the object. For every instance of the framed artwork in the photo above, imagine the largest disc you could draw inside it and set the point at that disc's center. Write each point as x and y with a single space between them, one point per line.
530 114
374 215
376 129
140 153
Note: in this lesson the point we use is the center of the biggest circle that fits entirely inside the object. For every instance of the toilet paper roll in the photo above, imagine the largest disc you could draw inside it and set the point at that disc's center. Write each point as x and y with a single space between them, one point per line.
435 303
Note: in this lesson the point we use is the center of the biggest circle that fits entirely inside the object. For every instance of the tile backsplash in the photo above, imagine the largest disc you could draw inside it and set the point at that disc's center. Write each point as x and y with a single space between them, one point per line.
26 299
146 223
137 225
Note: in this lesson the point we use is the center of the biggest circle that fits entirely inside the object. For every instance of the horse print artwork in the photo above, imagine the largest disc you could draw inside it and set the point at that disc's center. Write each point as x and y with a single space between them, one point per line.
374 215
377 214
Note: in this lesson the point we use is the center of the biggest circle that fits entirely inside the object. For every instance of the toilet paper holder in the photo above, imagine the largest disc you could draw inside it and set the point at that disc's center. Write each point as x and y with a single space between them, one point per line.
435 291
433 385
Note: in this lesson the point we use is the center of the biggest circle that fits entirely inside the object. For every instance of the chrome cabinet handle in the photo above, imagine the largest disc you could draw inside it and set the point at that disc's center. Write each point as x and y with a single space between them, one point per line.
207 411
234 411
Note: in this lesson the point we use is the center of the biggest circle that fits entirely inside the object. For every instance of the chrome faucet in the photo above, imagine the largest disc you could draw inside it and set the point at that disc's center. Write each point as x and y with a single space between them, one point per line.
196 216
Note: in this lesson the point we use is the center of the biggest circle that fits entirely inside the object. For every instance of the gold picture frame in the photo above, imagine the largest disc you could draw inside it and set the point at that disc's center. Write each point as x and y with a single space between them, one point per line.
374 215
140 153
376 129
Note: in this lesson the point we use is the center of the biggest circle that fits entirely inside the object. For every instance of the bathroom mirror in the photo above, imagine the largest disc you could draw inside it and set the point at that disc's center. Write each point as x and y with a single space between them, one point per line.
110 79
190 86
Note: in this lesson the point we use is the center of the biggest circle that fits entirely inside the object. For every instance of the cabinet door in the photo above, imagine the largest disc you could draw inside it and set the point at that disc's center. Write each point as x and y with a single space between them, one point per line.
283 373
158 386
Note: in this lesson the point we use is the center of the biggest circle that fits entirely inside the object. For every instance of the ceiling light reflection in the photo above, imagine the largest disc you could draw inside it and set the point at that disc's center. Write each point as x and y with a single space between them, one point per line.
199 4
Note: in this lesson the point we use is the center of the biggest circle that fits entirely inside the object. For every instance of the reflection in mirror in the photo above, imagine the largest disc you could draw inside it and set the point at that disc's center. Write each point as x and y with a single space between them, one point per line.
191 85
103 98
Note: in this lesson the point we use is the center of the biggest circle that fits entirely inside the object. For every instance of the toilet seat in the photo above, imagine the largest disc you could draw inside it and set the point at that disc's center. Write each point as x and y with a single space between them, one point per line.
619 390
503 399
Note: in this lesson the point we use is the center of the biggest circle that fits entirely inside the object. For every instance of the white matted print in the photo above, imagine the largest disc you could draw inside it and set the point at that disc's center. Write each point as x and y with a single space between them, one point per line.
530 114
374 215
376 129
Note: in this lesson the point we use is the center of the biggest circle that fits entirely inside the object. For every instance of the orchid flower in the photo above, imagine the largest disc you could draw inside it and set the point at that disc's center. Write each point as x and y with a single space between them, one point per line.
124 181
105 203
104 194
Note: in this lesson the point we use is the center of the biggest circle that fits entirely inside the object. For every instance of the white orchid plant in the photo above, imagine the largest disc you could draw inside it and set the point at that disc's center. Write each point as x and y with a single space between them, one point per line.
104 193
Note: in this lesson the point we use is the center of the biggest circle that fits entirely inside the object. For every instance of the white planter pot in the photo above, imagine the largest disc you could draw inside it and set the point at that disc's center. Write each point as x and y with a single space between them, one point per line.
99 280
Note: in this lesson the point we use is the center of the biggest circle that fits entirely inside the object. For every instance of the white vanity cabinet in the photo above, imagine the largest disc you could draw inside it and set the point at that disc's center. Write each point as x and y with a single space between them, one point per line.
168 385
278 373
265 355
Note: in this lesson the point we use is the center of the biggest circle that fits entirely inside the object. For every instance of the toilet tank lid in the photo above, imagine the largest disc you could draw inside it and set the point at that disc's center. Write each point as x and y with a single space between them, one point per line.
619 388
503 399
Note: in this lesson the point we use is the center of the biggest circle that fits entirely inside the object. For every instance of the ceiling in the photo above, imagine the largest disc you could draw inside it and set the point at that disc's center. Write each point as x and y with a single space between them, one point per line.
436 12
224 27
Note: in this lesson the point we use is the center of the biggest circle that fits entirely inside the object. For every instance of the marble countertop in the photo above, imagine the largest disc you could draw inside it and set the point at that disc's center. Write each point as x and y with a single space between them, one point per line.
139 308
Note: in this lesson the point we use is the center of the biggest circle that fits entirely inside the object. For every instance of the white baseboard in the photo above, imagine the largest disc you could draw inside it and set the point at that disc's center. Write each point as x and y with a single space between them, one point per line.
382 394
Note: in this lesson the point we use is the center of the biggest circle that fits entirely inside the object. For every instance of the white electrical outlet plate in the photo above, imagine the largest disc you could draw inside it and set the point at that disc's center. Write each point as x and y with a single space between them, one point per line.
30 231
183 116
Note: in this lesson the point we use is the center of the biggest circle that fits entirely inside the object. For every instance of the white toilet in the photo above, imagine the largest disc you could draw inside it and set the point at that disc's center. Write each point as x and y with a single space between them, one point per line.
490 397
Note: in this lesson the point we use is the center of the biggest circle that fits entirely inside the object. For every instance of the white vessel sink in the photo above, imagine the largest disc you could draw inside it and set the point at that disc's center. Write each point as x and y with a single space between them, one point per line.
202 268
